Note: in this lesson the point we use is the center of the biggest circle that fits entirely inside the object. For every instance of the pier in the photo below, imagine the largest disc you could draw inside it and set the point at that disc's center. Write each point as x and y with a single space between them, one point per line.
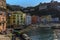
35 26
47 25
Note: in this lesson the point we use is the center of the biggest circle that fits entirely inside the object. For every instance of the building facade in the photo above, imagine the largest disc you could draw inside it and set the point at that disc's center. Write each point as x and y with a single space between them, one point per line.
16 18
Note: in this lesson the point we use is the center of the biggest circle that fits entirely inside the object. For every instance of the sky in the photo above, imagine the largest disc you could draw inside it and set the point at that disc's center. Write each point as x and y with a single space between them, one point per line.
26 3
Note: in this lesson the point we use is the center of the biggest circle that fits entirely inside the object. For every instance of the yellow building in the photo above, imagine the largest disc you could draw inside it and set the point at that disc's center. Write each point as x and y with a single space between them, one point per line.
17 18
47 17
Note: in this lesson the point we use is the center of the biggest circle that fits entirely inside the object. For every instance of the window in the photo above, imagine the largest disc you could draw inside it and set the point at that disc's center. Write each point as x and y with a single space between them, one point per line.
18 22
13 21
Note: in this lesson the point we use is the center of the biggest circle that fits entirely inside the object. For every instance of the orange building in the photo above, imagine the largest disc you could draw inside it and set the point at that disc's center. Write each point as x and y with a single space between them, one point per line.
34 19
2 22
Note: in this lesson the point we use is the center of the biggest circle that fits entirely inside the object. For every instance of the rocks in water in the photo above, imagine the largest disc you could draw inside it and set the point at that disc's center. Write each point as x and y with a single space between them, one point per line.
26 37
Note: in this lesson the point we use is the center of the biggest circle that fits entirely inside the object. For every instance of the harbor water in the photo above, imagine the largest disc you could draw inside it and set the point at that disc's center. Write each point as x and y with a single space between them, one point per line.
41 34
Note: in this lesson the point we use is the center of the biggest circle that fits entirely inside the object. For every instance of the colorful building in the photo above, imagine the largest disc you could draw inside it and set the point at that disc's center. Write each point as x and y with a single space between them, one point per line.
28 19
16 18
34 19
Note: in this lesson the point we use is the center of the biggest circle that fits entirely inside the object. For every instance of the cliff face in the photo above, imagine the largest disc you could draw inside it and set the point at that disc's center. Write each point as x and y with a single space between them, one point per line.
51 8
3 4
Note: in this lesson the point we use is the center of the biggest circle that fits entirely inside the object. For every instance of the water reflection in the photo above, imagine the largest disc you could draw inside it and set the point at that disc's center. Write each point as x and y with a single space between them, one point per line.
41 34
